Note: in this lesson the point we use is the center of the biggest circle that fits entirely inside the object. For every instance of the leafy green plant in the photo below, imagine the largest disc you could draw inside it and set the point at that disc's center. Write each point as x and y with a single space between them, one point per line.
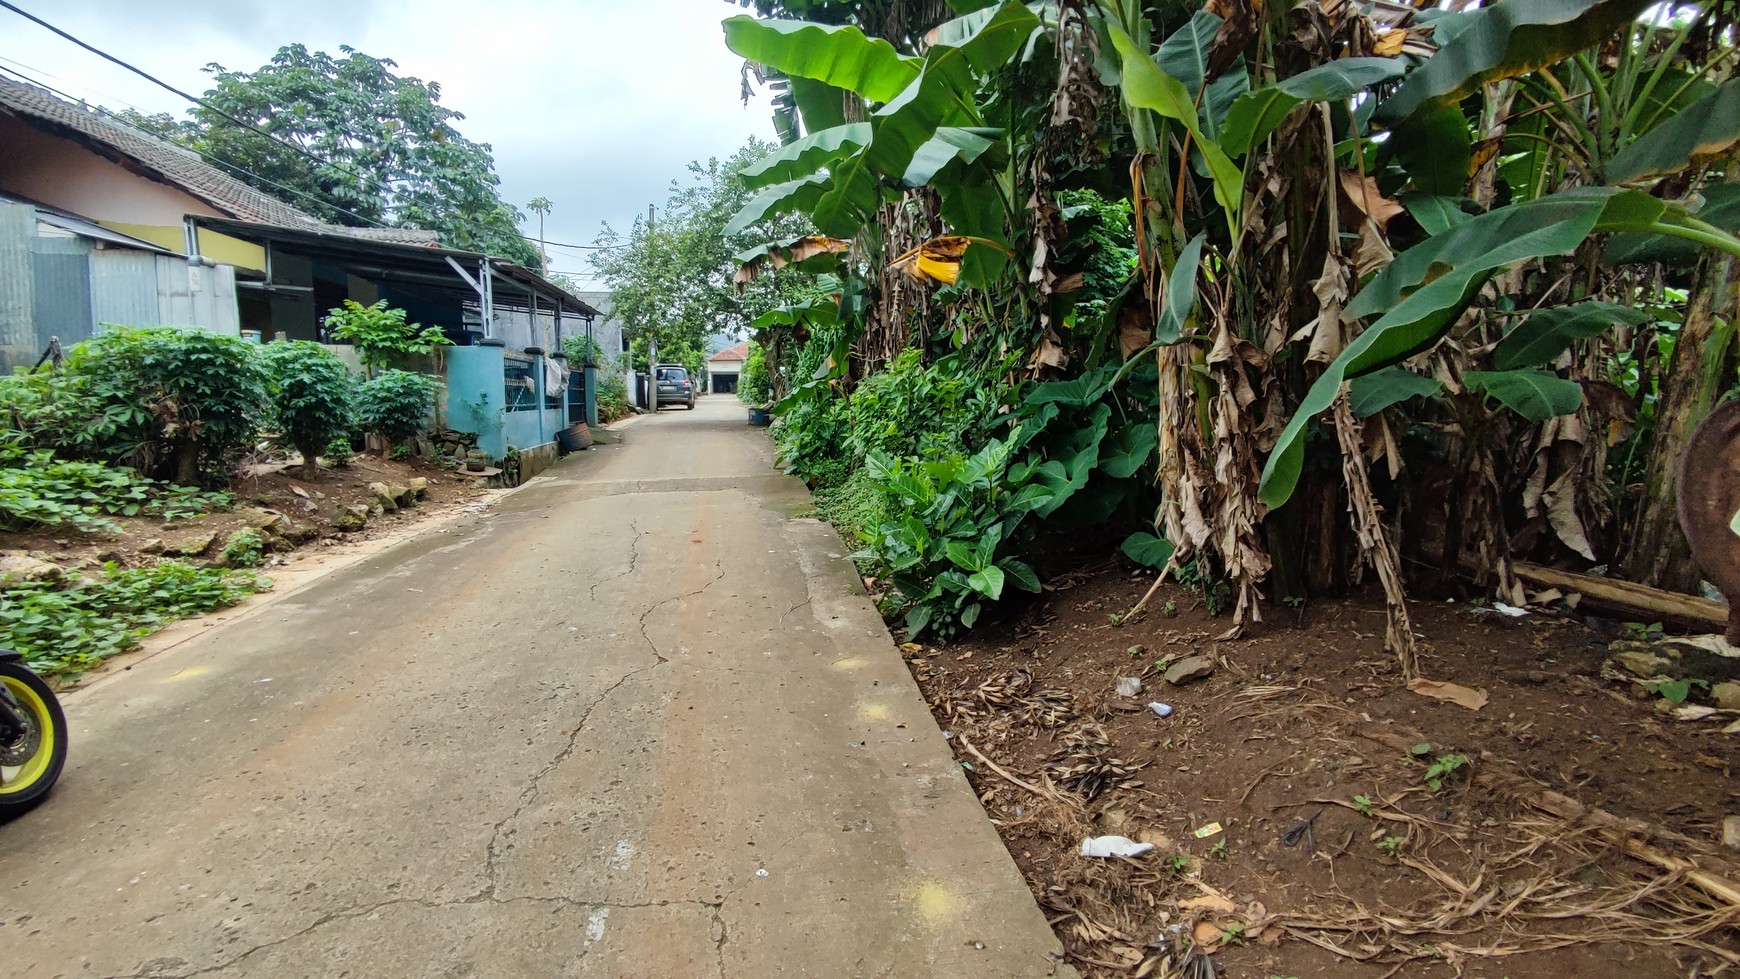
752 381
380 334
1676 691
243 549
168 402
395 404
1218 851
1362 804
338 453
1442 769
62 632
1179 863
1392 845
312 397
942 547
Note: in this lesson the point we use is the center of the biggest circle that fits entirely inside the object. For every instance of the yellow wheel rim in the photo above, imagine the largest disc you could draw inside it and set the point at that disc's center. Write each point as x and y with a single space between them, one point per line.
33 768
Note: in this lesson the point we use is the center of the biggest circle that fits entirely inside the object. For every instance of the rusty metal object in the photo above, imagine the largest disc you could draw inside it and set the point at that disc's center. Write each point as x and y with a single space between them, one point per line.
1709 496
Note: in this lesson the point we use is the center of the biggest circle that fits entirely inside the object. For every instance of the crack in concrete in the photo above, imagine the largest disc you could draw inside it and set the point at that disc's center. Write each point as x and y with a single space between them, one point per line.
789 611
633 561
530 792
718 576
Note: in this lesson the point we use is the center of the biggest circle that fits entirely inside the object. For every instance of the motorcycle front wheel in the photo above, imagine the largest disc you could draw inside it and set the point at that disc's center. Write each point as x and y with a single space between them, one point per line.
30 763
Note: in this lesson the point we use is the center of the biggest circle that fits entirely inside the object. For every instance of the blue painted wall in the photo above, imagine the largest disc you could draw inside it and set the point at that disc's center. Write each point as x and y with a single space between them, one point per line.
475 374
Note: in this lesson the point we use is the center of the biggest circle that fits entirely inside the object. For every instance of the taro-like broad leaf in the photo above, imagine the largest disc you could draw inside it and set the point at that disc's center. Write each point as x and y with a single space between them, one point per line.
1148 550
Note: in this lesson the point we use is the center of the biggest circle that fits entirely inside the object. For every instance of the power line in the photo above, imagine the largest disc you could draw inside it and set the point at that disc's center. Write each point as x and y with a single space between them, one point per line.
106 56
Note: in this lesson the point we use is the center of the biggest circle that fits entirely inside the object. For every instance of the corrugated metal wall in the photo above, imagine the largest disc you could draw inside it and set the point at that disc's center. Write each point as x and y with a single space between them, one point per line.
61 268
17 284
63 286
124 288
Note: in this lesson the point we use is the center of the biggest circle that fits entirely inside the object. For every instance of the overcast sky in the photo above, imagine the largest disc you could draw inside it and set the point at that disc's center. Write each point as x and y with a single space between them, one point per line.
595 105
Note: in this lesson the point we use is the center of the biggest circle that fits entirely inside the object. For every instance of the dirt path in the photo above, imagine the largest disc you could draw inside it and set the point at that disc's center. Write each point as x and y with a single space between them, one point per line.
636 720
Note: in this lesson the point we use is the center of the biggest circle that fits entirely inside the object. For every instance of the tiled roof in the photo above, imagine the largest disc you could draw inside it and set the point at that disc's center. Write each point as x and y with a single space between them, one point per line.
174 165
739 352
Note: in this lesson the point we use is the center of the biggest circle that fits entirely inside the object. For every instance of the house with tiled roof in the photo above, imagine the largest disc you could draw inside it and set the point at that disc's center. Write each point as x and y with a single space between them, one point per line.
102 223
725 368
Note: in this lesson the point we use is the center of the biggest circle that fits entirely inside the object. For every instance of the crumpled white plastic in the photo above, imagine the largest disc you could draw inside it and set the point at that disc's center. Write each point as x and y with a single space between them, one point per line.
1113 846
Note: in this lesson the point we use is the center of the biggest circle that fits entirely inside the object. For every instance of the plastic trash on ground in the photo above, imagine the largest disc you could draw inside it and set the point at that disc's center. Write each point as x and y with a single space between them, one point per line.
1129 686
1113 846
1164 710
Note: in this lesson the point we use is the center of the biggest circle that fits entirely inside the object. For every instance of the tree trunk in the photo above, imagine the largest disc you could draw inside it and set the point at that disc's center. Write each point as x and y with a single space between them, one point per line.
1703 366
187 462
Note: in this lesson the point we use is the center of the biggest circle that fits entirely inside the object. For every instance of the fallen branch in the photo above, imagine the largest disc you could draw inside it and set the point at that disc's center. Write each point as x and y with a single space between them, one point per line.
1631 836
1654 604
1171 564
993 766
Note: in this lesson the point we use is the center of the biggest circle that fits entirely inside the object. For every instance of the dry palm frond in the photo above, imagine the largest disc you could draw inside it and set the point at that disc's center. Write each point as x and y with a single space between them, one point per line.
1086 766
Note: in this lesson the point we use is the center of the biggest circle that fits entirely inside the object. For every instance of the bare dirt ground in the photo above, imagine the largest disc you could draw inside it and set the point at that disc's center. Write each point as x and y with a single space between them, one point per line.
1578 838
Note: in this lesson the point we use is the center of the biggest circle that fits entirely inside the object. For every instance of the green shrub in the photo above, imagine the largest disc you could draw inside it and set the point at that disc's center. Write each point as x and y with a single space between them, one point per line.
312 393
61 632
395 404
171 403
338 453
947 542
380 334
244 549
754 386
910 408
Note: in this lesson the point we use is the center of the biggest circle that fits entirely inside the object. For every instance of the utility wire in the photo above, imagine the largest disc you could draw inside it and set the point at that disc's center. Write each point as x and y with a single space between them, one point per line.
209 156
303 151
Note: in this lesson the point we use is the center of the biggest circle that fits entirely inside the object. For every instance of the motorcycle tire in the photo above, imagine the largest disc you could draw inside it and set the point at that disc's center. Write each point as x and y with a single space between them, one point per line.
24 785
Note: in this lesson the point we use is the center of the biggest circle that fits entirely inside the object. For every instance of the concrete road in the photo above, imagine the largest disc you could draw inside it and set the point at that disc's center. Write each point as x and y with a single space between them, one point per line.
637 720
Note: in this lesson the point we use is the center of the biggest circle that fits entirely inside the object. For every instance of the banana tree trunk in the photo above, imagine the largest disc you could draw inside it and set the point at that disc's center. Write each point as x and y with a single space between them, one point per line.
1702 369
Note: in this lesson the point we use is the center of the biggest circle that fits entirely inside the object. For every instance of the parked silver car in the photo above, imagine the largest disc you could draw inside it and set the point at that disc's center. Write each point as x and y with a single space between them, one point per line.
674 386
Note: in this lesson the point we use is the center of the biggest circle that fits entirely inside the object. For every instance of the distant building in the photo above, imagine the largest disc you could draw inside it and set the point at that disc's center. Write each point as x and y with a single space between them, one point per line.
725 368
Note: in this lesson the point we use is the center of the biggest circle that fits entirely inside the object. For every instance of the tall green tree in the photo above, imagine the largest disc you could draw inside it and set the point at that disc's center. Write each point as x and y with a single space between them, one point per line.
671 279
355 143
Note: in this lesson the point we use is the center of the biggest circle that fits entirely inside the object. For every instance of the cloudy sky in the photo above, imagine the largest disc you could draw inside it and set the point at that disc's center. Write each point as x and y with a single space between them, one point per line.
595 105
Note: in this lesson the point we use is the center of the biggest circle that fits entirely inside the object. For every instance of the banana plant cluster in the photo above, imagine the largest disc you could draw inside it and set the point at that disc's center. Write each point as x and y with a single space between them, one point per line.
1341 212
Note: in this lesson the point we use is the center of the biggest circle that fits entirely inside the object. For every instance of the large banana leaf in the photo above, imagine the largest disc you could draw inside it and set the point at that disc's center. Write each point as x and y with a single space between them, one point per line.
942 93
1543 336
1434 148
1720 209
1371 393
1425 289
1534 394
793 195
1147 87
1256 114
806 156
1702 132
841 56
1504 40
950 143
821 105
1184 55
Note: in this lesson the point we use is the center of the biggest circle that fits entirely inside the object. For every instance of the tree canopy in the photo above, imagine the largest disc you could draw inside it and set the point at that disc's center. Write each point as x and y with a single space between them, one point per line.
350 141
671 280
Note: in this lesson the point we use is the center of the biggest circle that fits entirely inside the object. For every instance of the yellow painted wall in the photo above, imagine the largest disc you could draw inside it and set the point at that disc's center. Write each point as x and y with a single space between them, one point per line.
219 248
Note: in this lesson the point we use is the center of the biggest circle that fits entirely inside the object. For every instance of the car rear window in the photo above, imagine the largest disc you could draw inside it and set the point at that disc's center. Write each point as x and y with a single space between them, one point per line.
673 374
